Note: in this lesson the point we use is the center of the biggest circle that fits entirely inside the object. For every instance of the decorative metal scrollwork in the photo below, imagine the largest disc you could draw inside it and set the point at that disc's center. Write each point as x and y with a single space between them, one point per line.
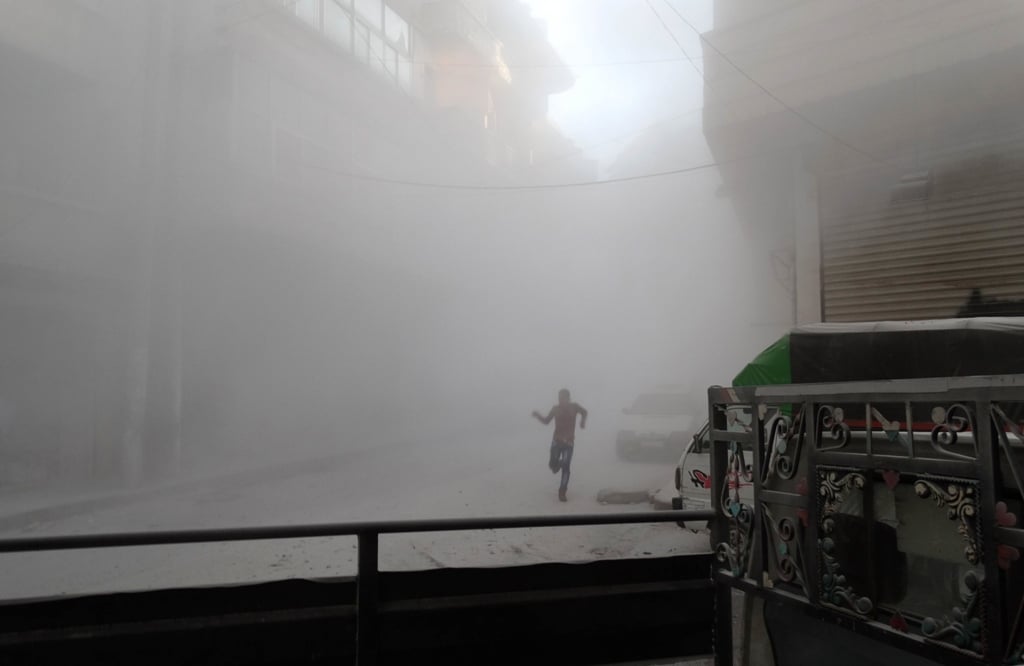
736 551
965 628
891 429
785 438
835 590
832 484
786 548
948 424
960 499
830 420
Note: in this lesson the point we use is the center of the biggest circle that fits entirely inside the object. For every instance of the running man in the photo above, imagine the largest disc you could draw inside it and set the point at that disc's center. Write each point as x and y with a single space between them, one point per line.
564 416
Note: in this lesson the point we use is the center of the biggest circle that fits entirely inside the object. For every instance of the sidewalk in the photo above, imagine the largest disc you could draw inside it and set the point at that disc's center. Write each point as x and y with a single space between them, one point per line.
17 513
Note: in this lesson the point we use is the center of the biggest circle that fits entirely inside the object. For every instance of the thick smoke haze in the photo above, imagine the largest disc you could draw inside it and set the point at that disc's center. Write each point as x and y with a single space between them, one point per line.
267 261
271 261
227 242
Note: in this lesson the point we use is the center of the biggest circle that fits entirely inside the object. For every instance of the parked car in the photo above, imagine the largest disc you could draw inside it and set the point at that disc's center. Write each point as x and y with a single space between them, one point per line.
834 352
657 426
693 471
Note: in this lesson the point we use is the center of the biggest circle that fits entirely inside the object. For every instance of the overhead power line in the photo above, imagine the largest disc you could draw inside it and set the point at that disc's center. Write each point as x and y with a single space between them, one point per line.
675 39
768 92
514 188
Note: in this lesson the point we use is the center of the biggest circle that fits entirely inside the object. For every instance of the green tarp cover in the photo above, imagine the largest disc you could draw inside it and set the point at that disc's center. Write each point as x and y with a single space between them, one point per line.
878 351
770 367
873 351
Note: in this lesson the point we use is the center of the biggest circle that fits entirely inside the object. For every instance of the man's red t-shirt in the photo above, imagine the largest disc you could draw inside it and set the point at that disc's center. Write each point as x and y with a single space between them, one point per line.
565 422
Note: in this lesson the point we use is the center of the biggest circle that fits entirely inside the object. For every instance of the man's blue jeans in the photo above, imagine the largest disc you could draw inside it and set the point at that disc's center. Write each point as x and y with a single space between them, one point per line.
561 458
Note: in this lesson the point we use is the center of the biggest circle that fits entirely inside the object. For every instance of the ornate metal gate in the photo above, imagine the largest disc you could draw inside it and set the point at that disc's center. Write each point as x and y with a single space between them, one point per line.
904 532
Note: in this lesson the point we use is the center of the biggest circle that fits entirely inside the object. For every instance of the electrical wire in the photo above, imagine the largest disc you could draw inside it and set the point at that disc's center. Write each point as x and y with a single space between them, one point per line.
573 65
280 9
618 138
516 188
768 92
675 39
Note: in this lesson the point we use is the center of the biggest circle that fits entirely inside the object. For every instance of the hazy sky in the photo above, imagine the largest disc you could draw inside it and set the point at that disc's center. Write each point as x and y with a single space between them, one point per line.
619 91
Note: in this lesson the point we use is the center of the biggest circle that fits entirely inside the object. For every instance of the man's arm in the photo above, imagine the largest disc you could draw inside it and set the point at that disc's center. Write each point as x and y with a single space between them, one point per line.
583 416
545 419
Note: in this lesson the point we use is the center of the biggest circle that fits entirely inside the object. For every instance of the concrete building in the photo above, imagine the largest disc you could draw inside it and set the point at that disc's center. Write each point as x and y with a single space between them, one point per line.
873 151
192 203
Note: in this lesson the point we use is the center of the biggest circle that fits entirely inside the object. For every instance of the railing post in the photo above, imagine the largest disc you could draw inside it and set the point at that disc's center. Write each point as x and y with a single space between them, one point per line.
366 600
988 446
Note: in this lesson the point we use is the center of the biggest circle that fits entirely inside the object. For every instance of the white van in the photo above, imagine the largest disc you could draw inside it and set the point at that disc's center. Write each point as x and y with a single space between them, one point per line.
657 426
693 471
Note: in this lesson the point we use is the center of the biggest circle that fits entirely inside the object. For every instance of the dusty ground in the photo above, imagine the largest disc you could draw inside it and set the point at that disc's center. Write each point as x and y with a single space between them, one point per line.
503 477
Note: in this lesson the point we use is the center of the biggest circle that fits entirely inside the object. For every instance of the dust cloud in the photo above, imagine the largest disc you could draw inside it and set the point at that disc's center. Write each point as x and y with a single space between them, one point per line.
260 235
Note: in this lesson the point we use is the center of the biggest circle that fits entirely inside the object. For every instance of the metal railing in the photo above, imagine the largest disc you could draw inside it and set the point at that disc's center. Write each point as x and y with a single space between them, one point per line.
822 461
367 534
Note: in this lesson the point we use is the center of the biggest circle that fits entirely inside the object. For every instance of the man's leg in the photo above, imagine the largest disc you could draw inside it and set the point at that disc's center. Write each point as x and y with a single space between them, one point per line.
555 463
566 462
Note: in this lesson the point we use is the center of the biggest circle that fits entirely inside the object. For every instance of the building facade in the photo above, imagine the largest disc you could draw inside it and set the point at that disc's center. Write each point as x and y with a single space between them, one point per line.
196 196
877 154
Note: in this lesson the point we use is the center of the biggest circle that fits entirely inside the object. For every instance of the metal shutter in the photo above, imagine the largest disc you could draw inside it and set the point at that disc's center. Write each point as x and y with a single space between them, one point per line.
921 259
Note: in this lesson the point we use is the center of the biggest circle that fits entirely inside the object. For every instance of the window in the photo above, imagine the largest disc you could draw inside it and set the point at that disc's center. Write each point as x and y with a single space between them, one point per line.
391 61
376 52
362 42
702 441
370 11
309 11
405 74
338 24
396 30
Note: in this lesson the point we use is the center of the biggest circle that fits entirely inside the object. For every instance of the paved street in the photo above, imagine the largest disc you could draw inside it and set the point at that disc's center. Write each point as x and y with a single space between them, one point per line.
501 476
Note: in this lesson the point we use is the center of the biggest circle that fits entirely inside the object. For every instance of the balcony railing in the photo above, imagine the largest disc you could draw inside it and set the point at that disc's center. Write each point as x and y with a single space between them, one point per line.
890 507
367 594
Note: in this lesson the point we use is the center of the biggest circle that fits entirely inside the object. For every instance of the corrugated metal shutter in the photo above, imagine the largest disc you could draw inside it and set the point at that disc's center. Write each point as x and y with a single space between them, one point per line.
921 259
